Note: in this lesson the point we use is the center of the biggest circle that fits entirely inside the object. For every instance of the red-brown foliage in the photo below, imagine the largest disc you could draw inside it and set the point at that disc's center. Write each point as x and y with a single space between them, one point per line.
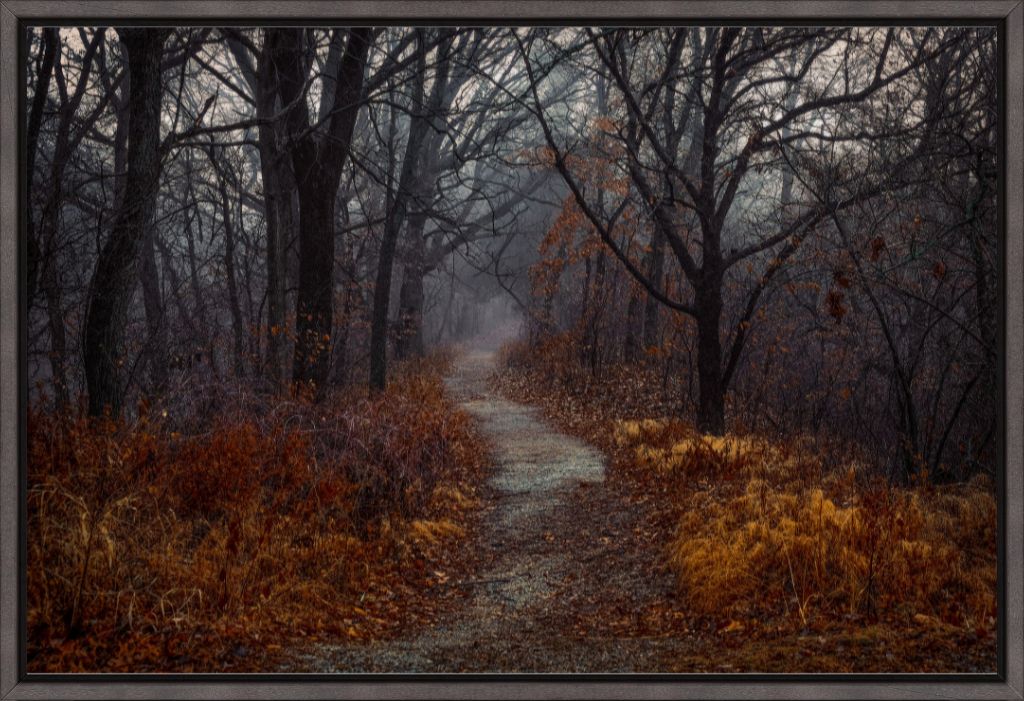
154 549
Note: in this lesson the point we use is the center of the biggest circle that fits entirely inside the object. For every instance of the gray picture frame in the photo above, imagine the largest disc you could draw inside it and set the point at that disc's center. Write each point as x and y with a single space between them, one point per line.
14 684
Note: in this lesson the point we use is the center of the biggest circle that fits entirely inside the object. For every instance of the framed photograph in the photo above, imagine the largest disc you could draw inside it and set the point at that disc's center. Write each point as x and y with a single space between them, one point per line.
471 349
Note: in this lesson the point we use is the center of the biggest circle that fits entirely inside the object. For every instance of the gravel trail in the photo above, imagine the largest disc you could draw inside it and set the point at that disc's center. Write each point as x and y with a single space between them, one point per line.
511 619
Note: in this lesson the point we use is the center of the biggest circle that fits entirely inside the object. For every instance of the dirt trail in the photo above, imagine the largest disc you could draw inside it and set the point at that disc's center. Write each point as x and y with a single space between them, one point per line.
568 575
543 555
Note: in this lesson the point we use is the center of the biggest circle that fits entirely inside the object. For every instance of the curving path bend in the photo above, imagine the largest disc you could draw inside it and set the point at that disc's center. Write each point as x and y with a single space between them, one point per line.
505 624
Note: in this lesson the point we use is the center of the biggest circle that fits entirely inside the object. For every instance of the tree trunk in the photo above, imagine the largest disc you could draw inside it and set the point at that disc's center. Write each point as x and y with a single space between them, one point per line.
276 328
631 345
156 329
175 285
381 302
341 341
711 403
278 187
278 216
546 326
596 304
652 335
58 336
396 217
314 305
197 290
411 296
237 326
116 273
317 164
447 317
43 244
48 51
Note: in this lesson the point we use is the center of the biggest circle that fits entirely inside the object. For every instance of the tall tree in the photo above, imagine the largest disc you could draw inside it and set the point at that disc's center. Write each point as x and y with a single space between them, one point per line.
256 65
116 274
318 159
741 104
410 183
49 43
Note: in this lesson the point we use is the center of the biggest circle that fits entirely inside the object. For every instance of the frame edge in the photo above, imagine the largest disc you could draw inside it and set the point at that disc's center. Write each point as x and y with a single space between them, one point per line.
9 501
13 12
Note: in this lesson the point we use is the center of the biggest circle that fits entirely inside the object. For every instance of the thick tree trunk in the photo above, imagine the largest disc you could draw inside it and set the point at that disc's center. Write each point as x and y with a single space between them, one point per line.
280 228
447 316
275 287
278 187
278 216
116 273
708 283
410 337
711 403
152 299
381 303
317 165
314 305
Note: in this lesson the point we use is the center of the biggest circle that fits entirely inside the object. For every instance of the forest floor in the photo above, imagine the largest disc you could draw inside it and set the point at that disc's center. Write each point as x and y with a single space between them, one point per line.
564 572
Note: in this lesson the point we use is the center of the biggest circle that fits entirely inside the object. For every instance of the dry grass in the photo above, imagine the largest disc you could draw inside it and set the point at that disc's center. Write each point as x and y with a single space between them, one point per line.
766 530
156 548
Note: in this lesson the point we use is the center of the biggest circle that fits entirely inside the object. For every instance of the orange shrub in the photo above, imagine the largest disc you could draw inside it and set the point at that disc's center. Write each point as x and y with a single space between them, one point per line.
153 550
764 530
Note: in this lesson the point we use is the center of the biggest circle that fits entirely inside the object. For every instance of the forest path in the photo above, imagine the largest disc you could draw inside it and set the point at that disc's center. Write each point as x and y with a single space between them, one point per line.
547 556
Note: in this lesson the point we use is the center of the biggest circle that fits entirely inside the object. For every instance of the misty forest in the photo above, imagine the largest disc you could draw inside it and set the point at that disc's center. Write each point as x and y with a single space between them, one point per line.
492 349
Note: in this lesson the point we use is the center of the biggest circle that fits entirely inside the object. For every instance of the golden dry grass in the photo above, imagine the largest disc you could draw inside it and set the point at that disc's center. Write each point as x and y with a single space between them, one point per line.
765 530
153 550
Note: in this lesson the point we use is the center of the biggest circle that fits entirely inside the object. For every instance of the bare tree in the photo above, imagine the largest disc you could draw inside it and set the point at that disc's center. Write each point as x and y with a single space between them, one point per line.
318 159
116 274
742 108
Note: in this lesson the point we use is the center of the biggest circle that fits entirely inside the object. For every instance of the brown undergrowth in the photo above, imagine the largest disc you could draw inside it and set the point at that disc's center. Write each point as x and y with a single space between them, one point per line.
171 544
782 540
